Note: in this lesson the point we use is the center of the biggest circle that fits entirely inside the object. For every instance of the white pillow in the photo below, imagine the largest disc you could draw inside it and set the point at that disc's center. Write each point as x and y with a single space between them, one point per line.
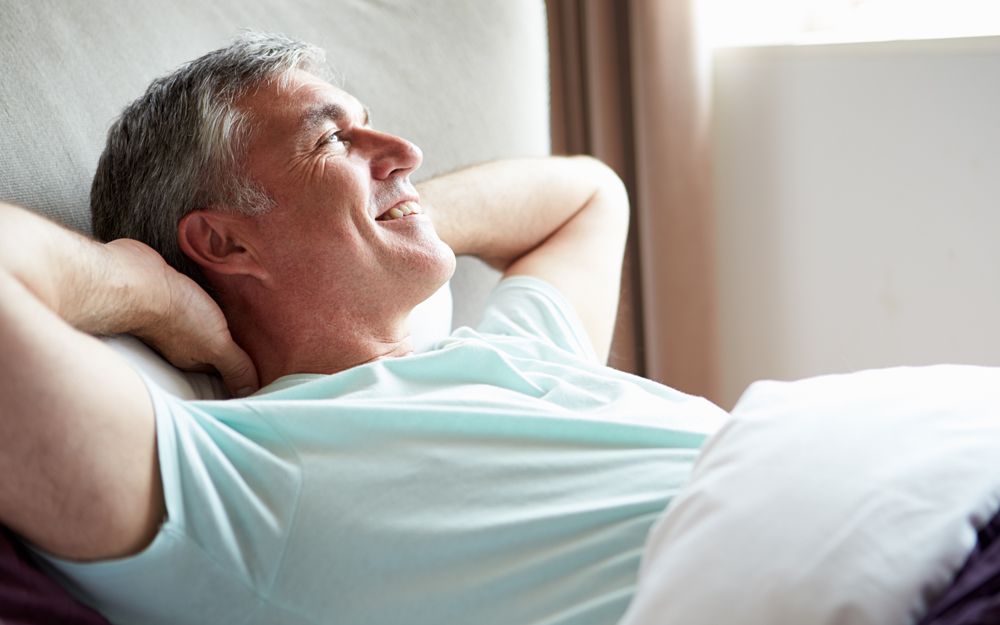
430 322
849 499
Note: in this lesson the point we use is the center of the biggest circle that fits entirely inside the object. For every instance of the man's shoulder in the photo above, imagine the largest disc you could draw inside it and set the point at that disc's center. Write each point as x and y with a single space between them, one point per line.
531 308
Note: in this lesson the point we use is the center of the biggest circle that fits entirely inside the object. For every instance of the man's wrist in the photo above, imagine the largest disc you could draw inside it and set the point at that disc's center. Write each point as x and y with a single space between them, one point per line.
136 296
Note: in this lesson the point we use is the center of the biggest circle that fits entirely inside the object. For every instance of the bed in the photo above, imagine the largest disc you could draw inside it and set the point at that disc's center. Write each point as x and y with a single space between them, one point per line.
863 498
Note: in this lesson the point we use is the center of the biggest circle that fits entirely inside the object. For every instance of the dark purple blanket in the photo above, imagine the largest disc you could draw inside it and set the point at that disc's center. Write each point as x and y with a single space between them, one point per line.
28 597
974 596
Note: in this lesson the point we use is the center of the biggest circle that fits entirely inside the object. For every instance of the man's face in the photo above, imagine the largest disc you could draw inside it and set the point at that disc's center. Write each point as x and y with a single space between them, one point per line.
336 181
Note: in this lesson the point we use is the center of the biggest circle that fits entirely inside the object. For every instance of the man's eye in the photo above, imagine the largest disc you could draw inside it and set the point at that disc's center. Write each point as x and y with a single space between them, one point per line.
335 138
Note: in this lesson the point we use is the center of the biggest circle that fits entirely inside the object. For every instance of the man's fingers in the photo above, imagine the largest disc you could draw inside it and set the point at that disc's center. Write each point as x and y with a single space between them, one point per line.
237 371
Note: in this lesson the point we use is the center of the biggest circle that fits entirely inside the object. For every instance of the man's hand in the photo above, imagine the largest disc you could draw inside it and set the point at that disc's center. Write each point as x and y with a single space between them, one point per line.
184 324
563 220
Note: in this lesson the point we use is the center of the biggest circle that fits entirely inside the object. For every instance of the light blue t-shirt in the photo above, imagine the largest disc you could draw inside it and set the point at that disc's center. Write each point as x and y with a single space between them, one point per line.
504 477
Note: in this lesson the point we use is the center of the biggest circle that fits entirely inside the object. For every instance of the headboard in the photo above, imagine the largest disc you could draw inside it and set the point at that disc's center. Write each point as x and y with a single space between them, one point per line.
467 81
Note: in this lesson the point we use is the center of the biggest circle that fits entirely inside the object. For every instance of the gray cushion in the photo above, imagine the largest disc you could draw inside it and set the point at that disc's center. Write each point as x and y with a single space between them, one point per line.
465 80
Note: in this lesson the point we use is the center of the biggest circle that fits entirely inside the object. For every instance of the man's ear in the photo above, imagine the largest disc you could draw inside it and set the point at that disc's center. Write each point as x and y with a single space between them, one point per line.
219 243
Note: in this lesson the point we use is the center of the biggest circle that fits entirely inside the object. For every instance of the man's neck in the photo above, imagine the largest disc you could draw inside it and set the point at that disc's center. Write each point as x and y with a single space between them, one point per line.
279 346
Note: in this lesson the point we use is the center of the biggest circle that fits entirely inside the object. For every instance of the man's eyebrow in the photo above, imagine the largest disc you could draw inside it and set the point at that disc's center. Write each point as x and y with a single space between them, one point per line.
317 115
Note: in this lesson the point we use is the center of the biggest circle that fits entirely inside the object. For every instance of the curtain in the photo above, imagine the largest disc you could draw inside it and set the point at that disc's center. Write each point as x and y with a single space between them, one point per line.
629 87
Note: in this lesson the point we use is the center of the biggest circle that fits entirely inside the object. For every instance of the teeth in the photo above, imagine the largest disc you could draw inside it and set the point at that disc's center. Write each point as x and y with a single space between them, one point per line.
404 209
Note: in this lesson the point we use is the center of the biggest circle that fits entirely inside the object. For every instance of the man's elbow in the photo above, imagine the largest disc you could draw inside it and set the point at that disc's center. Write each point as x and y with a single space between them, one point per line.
609 200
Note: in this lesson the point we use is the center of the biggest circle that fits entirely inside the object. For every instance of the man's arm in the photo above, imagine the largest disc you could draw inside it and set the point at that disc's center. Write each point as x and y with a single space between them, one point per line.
563 220
77 435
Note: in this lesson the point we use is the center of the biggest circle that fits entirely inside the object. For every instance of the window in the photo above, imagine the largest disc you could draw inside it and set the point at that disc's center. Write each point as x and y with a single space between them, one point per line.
768 22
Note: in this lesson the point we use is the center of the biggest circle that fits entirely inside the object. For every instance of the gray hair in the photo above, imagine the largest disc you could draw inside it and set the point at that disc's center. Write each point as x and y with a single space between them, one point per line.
181 146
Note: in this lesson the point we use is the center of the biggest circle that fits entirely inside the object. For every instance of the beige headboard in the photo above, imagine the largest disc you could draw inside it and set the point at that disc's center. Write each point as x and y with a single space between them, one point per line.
464 79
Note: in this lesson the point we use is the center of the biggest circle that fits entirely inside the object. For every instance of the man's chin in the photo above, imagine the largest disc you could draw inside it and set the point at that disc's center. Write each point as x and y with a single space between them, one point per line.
451 263
440 262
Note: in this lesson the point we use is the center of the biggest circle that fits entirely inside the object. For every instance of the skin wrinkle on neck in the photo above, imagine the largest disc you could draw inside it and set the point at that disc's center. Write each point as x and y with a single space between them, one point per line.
301 345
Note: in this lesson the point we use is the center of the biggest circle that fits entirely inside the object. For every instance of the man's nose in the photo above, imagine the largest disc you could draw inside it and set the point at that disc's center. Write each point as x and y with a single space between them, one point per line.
392 155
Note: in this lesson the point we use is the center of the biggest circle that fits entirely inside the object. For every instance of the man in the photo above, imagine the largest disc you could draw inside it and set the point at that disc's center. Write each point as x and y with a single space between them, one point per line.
505 477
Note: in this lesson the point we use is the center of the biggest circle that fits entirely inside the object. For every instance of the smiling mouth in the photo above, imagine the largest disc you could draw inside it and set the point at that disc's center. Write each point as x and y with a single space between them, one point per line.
399 211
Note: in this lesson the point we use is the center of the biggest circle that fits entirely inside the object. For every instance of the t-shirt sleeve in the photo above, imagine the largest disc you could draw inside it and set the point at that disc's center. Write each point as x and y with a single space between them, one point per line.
219 478
526 307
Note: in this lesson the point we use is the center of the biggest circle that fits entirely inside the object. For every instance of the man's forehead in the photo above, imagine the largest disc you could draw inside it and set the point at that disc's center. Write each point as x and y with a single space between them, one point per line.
316 114
306 101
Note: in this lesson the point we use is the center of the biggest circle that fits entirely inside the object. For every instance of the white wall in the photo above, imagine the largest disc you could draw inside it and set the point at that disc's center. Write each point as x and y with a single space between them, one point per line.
857 193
